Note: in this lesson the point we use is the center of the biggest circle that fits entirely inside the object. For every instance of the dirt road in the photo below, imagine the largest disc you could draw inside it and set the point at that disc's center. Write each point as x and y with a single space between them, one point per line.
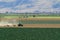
41 26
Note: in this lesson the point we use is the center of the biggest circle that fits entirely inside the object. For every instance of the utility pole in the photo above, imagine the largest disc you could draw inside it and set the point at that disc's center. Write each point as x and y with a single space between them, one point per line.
19 21
0 16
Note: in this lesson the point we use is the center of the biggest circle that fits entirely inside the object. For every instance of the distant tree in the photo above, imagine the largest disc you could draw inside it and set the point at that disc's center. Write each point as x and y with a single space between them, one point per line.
34 15
7 12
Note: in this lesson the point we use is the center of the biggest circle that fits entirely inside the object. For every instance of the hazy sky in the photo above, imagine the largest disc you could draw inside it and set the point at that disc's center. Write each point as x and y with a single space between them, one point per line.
29 5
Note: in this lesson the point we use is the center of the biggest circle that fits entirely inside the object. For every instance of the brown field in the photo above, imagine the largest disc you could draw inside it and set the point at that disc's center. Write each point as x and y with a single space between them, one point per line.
44 19
41 26
32 19
38 25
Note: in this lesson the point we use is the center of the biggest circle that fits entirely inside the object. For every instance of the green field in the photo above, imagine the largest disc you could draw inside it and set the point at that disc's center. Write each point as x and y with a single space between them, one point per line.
23 15
35 22
29 34
32 16
40 22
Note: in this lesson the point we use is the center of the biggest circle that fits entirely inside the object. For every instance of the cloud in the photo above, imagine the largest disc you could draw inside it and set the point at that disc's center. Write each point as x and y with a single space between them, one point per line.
57 0
24 6
42 6
4 10
7 0
34 5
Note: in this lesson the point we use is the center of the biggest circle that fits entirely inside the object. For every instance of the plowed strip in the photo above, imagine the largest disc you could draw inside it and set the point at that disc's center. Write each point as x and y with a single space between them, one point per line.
41 26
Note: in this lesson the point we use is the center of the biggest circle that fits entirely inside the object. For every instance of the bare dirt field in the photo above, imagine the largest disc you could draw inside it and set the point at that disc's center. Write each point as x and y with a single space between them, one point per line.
57 18
38 25
41 26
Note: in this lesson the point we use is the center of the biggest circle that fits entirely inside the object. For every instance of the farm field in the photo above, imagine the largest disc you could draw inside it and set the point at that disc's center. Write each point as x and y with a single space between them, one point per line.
41 26
29 33
39 21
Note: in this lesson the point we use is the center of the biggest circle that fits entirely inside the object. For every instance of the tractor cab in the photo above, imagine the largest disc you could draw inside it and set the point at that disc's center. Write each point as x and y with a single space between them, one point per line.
20 24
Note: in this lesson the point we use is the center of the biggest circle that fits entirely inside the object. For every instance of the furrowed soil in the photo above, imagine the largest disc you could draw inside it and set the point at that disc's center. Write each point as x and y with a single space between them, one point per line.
39 25
42 25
